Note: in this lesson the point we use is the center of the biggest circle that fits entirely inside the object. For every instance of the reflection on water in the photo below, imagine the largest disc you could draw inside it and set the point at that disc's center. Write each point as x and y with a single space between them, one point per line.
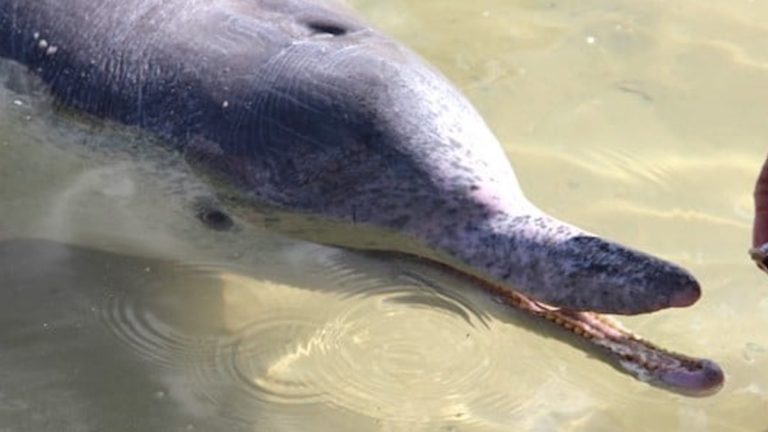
367 342
642 121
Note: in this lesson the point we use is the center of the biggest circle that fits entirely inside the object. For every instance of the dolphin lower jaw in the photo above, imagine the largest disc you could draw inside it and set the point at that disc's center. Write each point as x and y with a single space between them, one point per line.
627 351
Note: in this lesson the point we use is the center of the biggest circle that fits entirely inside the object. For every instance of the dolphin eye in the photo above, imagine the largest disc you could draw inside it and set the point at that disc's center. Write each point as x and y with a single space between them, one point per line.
215 219
326 27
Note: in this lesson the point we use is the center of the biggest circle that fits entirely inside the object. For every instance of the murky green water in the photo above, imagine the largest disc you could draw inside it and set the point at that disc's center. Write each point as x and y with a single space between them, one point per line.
641 121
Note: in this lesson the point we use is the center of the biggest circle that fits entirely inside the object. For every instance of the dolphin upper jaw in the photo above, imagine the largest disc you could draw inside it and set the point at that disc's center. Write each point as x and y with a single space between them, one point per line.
564 267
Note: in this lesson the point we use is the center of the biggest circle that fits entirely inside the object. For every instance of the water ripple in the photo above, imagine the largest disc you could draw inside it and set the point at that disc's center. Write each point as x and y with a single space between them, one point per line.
129 318
382 339
259 361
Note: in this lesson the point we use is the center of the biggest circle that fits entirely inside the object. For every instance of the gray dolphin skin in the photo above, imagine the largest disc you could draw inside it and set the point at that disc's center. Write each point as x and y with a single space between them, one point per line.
302 106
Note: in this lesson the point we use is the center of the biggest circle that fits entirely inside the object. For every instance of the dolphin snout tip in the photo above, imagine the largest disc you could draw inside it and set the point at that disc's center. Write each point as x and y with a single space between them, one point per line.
686 294
681 287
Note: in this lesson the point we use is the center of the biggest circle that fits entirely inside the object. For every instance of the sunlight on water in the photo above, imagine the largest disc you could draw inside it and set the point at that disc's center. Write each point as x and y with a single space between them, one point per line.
640 121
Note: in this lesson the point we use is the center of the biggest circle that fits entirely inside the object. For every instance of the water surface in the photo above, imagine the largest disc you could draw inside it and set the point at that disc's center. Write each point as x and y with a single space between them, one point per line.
640 121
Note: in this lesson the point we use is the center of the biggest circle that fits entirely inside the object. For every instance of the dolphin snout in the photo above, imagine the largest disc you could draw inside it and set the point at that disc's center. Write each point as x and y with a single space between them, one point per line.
561 266
603 276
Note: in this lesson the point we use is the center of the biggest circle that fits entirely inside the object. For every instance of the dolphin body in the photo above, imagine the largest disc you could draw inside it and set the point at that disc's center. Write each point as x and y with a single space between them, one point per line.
302 106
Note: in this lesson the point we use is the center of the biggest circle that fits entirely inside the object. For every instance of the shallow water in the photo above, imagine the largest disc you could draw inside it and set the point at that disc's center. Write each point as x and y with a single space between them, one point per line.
641 121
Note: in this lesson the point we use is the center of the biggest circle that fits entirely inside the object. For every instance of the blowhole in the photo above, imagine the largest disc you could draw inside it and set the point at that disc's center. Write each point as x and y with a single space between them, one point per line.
325 27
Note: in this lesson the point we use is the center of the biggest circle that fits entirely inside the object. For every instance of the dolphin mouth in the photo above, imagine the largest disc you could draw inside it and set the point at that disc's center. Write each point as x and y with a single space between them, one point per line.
626 351
601 334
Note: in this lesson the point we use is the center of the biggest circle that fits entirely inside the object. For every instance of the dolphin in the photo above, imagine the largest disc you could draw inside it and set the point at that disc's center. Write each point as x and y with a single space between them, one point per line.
301 106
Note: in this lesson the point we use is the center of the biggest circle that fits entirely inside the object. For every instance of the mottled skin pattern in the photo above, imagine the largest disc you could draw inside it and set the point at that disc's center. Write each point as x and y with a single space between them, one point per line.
301 105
